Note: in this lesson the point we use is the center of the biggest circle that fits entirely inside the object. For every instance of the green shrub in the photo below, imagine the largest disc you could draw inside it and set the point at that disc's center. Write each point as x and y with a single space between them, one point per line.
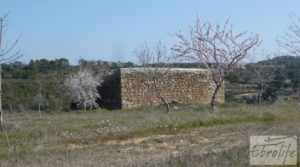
55 104
21 108
35 102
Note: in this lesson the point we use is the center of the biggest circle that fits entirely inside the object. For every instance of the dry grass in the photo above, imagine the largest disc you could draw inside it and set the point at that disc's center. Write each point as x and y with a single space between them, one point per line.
188 136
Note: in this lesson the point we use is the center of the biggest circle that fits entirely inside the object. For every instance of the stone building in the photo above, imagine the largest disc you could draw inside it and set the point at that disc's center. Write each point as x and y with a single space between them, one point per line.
186 86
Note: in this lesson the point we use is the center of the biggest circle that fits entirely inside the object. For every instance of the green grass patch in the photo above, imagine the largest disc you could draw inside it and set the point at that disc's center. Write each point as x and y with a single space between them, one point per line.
229 105
56 129
174 128
219 121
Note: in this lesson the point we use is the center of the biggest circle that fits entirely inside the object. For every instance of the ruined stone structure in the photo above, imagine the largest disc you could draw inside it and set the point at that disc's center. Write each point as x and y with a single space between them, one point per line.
187 86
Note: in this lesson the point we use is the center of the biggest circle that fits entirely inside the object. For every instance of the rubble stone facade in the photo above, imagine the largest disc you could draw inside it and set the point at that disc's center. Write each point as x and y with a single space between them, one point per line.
185 86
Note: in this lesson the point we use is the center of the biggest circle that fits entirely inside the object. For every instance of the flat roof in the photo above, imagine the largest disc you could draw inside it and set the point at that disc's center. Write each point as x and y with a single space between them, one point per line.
170 69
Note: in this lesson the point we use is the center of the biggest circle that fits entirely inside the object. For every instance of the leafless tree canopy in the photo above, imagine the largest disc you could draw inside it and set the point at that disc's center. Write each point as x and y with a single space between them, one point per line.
7 53
291 38
216 46
82 88
155 63
264 73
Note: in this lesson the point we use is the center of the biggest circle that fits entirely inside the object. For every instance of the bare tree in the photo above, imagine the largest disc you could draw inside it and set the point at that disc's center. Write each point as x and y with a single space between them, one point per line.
263 72
156 76
39 93
291 38
217 47
7 55
82 88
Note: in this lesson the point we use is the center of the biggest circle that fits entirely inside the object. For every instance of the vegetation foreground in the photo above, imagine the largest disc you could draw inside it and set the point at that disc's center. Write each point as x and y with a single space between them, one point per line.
189 136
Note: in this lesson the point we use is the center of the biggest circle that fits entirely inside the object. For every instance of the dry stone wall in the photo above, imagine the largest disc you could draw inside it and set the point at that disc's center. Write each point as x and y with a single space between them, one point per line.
185 86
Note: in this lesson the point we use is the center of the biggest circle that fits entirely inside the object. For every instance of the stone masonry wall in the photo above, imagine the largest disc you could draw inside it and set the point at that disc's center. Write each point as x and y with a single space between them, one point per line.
186 86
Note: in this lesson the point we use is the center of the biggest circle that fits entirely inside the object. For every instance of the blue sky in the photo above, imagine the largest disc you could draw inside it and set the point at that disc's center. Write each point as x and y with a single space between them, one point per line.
111 29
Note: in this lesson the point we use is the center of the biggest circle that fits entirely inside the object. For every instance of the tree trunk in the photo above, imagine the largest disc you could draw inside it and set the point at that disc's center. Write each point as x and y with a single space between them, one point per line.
165 102
84 105
1 111
214 98
259 95
166 105
158 92
40 95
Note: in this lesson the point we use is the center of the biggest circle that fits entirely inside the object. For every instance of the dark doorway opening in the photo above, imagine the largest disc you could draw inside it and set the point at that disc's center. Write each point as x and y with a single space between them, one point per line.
110 91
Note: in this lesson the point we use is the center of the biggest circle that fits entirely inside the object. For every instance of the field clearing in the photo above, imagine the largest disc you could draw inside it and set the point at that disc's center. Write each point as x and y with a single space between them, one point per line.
188 136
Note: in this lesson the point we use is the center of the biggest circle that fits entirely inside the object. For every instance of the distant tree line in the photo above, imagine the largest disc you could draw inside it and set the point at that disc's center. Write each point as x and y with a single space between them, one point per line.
21 82
19 70
285 81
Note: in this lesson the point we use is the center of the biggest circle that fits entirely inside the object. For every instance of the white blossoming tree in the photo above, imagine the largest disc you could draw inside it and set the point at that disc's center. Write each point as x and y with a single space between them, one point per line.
82 88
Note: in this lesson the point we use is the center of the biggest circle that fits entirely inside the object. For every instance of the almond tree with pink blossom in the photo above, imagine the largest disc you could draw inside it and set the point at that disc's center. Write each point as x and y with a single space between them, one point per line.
217 47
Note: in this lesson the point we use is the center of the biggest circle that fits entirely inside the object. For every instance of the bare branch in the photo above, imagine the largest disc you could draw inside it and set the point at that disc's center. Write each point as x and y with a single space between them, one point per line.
155 78
264 73
216 46
290 40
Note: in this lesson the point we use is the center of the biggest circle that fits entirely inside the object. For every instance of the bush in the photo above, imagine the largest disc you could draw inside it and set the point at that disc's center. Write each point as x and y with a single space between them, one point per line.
34 102
55 104
20 108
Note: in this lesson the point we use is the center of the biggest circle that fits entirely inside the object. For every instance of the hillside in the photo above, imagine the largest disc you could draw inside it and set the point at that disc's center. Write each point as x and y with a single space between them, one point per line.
22 82
285 83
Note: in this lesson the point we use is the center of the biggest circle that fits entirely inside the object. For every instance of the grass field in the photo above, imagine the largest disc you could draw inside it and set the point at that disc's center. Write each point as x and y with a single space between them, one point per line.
188 136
